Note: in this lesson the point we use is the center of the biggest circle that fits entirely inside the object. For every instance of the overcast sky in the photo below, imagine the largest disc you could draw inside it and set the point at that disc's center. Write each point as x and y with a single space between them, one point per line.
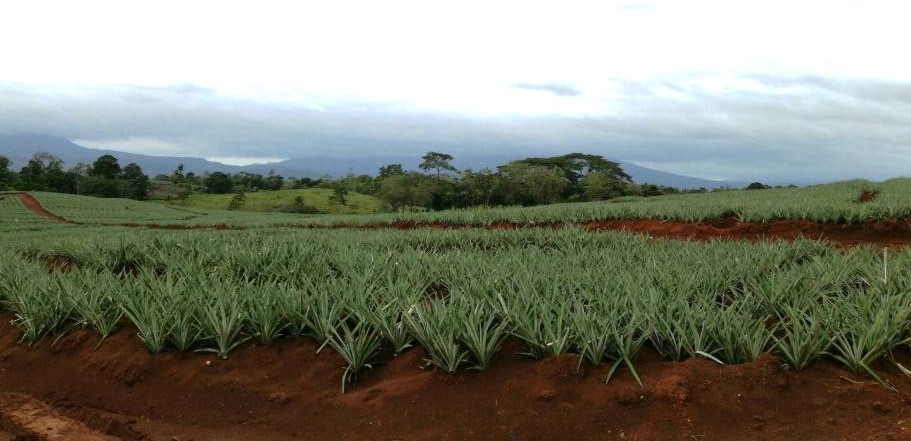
759 90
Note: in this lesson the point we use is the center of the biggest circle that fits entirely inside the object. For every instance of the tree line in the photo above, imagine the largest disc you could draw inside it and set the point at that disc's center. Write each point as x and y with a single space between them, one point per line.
435 185
103 178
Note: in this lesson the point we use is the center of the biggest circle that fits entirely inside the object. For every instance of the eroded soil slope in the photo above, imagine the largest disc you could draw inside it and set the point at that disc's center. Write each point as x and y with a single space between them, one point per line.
287 391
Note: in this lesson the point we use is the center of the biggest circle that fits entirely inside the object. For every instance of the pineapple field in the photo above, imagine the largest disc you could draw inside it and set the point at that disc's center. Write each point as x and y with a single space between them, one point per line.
767 314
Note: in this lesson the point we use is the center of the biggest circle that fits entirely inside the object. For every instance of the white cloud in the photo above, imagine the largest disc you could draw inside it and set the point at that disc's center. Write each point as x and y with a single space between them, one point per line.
235 160
713 88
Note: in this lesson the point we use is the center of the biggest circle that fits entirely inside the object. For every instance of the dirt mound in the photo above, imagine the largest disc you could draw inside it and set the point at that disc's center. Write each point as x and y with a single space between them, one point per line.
287 391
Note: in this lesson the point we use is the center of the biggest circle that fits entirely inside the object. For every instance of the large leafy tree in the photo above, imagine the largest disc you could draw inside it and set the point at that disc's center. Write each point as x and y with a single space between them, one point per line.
43 172
576 166
526 184
391 170
136 183
477 188
599 185
407 190
219 183
438 162
106 166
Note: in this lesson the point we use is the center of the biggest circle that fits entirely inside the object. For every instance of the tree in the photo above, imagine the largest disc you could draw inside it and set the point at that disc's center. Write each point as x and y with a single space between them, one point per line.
756 186
136 183
576 166
339 196
57 179
273 181
437 161
407 190
305 183
7 177
192 179
526 184
300 207
477 188
106 167
237 201
33 175
177 177
102 187
391 170
249 181
78 174
219 183
599 185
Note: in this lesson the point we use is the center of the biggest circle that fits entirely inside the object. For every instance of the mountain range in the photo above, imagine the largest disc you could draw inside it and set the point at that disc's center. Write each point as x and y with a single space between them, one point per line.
20 147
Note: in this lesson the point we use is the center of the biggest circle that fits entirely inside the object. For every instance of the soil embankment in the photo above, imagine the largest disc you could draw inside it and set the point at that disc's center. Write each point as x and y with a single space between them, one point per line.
286 391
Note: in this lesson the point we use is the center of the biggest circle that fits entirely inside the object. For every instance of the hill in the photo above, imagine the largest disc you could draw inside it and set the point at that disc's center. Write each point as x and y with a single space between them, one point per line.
266 201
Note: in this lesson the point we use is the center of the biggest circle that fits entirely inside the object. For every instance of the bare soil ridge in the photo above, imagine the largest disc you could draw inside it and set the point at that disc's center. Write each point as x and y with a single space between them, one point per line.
286 391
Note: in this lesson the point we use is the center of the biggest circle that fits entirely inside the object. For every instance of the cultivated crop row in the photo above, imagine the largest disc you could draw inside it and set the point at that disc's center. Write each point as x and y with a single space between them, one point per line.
835 203
92 210
460 294
14 216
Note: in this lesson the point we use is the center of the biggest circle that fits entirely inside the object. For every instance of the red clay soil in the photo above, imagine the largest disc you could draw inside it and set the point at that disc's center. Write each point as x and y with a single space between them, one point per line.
35 207
890 233
286 391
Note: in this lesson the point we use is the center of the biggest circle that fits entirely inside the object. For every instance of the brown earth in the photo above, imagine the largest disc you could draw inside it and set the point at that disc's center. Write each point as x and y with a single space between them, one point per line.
286 391
890 233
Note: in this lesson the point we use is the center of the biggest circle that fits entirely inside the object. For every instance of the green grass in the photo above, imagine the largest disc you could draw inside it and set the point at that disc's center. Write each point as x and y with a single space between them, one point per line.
270 201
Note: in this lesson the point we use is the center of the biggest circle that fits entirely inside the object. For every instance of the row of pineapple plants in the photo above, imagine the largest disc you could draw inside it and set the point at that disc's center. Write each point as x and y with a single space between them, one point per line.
460 294
837 203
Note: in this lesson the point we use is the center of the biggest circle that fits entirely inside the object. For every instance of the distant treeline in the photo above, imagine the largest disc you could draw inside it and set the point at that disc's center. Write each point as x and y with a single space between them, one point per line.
437 185
104 178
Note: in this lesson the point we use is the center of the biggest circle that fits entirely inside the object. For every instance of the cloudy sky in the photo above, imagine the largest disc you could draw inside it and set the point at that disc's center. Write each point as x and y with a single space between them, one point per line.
745 90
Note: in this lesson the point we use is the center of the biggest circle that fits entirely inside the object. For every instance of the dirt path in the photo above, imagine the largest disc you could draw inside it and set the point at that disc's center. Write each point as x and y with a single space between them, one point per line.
35 207
286 391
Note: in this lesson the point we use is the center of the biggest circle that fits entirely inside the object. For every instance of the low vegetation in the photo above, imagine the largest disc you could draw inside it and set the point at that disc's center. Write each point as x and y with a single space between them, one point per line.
459 294
302 201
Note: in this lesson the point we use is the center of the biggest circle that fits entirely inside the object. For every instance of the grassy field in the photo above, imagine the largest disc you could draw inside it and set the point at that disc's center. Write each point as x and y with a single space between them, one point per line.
271 201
